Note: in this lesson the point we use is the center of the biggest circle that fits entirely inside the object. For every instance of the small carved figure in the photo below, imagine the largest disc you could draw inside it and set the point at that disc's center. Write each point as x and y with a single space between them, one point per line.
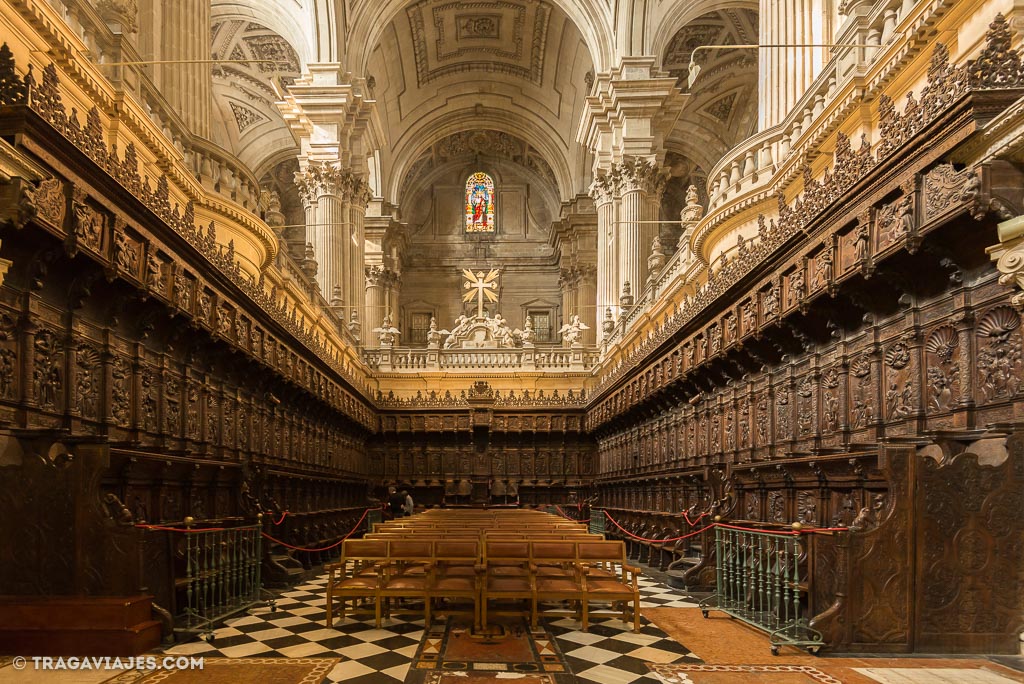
387 332
572 331
860 243
125 255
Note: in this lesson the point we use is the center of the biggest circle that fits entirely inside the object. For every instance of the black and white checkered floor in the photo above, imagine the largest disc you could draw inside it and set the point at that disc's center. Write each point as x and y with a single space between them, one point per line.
609 653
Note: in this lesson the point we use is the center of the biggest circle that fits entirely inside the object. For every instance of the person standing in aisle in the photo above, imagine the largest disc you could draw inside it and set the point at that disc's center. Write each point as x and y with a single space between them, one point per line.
396 502
407 502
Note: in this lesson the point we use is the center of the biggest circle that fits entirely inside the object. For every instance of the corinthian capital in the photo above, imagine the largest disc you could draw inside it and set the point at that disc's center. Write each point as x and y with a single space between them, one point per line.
325 179
357 190
638 174
605 186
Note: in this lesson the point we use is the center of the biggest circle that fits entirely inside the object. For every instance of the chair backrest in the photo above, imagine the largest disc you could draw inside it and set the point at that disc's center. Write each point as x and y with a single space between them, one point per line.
507 550
598 551
410 549
456 550
559 550
363 551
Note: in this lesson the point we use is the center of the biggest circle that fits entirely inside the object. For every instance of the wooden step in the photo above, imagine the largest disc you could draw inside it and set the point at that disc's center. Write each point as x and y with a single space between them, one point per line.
77 625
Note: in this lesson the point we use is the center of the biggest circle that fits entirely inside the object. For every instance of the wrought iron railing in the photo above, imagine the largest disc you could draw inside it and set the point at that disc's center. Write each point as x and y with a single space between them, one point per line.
222 574
760 581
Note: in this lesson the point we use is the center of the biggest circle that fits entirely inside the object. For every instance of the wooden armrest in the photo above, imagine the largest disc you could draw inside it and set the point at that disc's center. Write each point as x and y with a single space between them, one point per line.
480 567
631 569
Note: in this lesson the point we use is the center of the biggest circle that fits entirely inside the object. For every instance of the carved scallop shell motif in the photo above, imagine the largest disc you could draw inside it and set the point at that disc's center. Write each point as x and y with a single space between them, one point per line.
999 322
860 366
898 355
943 342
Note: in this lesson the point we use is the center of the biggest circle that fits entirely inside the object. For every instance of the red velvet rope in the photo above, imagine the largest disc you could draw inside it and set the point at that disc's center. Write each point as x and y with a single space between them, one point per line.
693 523
562 513
326 548
730 527
284 514
659 541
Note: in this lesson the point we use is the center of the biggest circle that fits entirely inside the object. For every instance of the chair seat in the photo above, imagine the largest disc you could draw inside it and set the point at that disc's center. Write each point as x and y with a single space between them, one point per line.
507 571
455 584
555 585
553 571
413 583
602 586
459 571
358 582
508 584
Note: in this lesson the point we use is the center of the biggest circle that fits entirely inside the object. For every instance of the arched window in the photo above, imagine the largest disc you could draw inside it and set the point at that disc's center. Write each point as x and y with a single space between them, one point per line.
479 204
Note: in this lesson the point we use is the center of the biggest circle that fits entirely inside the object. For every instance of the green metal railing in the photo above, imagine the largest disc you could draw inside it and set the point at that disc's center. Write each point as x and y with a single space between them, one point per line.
222 574
759 582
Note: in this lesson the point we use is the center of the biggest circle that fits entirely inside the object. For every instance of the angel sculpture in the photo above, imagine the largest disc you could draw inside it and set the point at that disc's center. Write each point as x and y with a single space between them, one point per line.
387 331
572 331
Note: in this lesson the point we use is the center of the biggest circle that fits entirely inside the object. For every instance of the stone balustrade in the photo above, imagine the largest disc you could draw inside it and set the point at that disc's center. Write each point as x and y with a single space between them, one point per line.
541 359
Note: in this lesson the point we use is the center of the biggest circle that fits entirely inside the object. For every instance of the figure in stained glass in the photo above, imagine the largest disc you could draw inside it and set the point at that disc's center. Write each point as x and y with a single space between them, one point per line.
479 204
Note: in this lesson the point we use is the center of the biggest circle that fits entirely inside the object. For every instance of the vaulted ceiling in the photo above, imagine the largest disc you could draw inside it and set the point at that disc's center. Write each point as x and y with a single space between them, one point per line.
722 108
246 121
445 67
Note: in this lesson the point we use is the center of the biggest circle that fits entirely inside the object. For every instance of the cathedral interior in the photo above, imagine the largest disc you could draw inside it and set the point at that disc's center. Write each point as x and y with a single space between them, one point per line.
726 294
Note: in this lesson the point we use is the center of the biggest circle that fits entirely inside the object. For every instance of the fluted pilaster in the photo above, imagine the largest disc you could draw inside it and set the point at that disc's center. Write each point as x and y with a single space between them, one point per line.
586 298
641 185
786 73
603 192
185 35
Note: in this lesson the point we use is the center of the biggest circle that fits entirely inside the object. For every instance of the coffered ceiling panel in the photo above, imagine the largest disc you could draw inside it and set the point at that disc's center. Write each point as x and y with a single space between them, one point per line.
505 36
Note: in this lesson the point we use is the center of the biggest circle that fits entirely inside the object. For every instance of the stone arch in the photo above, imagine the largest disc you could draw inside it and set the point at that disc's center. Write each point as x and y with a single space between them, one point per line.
681 13
426 133
277 15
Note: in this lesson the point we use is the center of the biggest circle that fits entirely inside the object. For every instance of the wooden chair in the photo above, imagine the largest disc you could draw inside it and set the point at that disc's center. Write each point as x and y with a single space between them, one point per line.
408 573
457 573
519 585
356 576
622 589
558 577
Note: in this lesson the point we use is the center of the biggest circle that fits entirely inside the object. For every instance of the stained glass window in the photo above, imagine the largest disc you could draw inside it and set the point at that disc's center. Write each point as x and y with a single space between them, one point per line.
479 204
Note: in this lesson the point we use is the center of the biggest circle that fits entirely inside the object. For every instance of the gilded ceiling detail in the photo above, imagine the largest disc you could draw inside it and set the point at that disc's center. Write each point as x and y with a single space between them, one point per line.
503 36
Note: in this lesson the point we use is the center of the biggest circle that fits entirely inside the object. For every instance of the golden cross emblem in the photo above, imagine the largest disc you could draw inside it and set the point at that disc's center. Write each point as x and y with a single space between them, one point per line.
479 286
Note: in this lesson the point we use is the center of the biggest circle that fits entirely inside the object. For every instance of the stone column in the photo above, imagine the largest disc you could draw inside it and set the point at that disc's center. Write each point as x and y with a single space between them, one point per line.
376 303
641 186
607 261
567 284
586 300
185 35
359 195
322 192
